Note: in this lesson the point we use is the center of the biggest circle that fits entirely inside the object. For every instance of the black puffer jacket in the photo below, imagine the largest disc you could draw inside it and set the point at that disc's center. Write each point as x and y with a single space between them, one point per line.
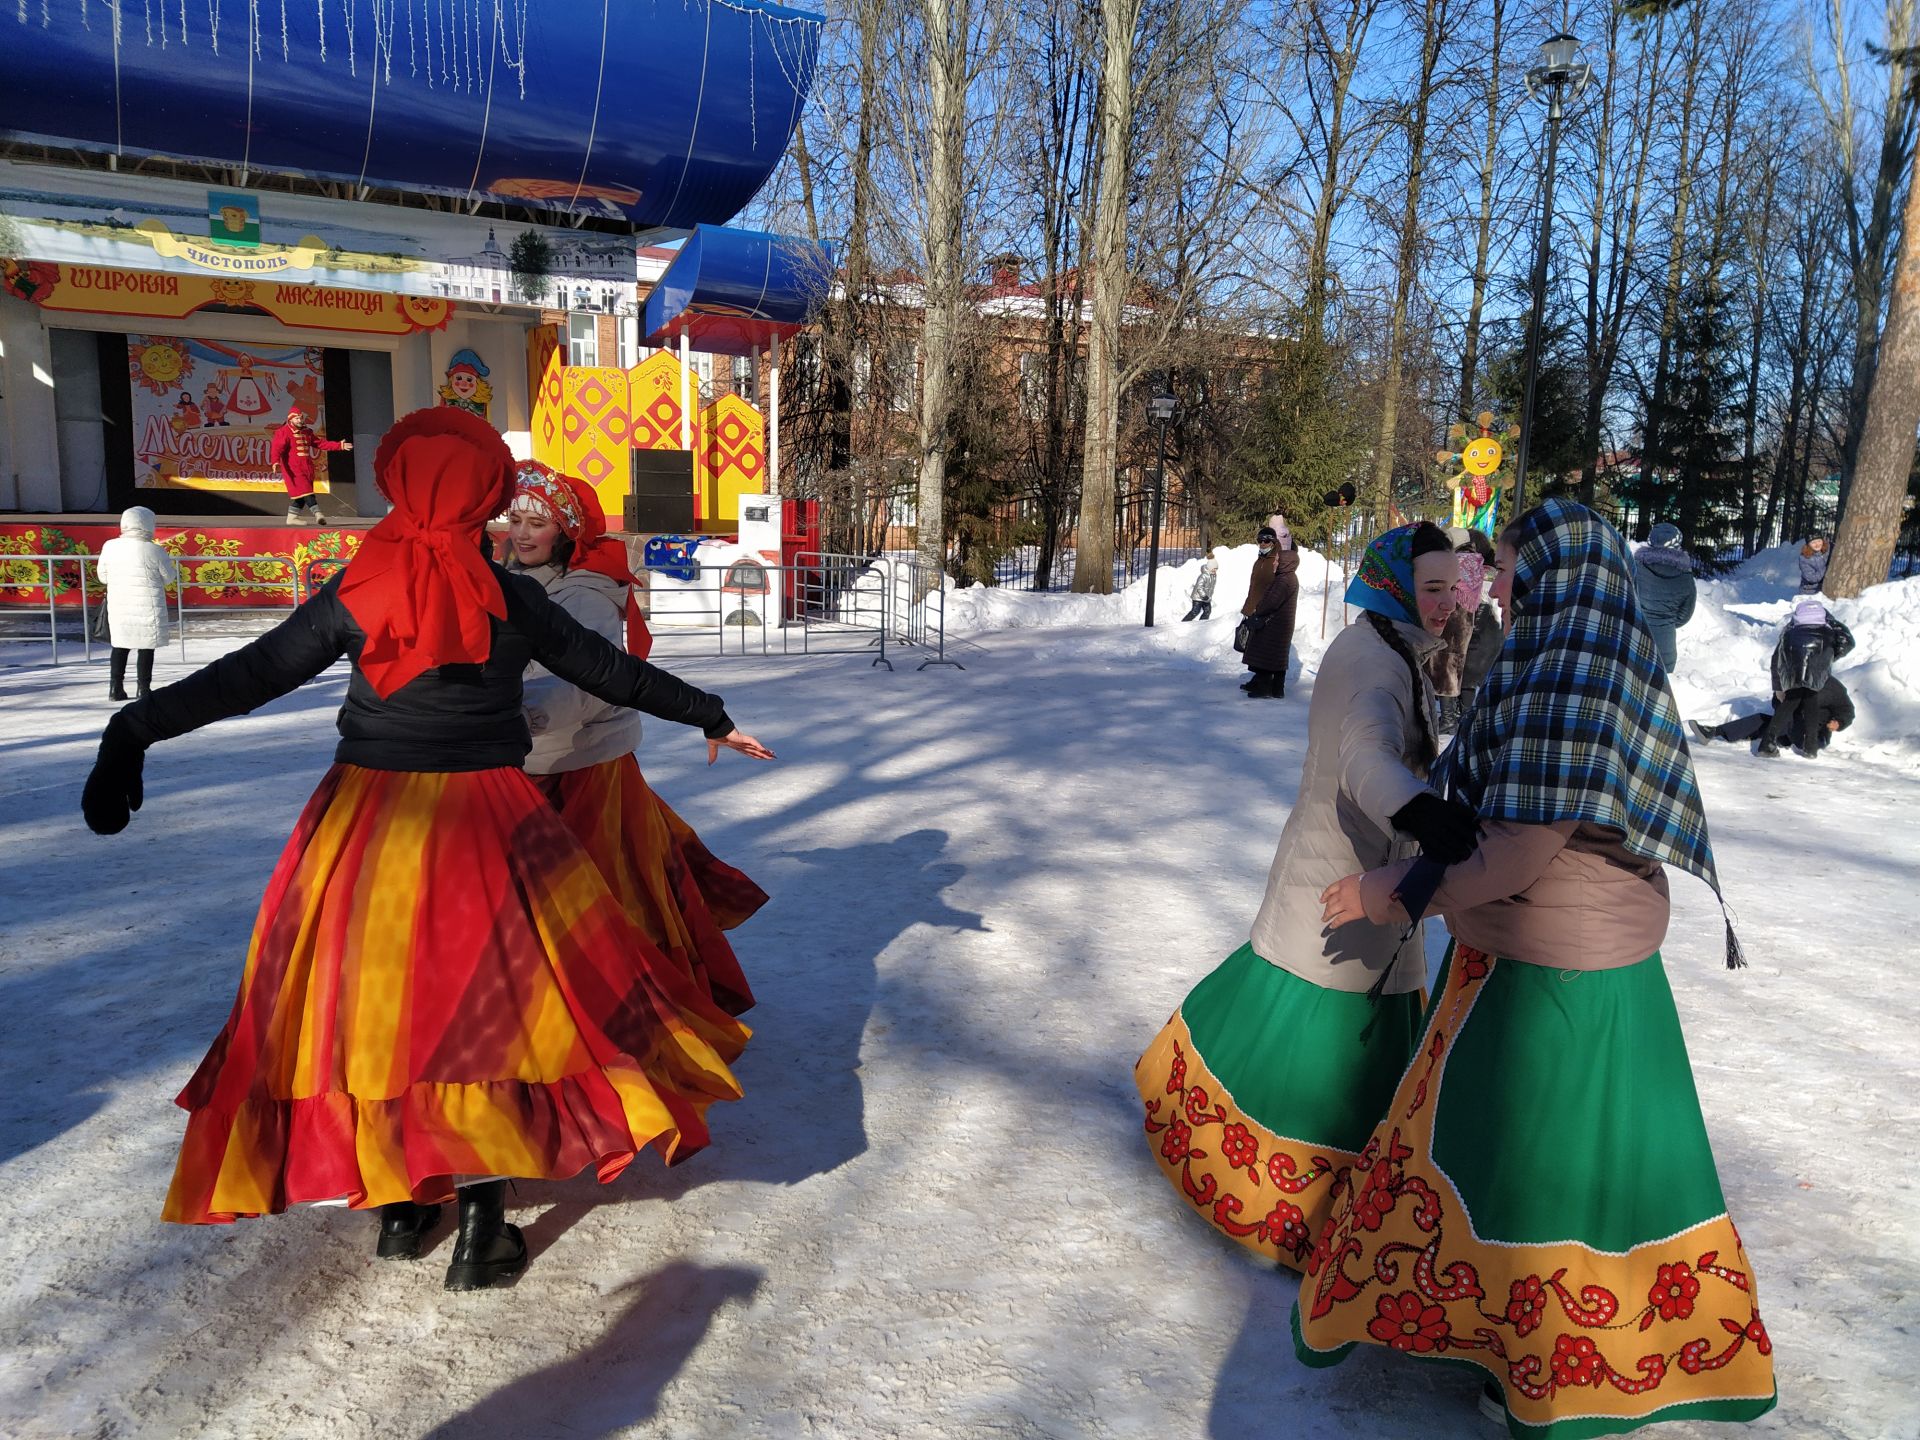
1488 636
1804 655
453 718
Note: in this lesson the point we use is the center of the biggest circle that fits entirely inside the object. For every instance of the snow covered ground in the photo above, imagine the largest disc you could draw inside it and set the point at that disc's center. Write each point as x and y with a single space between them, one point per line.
934 1215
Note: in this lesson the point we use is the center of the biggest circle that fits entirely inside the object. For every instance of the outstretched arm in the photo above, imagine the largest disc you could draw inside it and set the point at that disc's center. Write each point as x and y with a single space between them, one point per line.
580 657
280 661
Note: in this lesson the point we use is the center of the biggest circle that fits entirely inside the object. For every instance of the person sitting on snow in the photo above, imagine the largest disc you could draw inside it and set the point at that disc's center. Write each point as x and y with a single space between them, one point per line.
1202 592
1832 713
1663 584
1803 659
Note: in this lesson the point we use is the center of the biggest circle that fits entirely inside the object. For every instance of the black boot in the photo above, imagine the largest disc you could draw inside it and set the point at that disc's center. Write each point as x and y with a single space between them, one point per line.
1703 732
489 1250
1769 747
403 1225
1263 684
117 673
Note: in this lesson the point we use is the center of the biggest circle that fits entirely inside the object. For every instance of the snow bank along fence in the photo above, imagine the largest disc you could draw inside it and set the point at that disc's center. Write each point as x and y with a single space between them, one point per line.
817 603
66 578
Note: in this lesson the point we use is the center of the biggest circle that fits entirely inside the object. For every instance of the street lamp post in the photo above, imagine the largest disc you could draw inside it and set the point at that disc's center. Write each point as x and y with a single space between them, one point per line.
1160 411
1548 82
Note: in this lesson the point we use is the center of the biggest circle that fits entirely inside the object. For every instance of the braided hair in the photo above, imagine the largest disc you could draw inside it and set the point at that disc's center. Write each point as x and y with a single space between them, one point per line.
1427 540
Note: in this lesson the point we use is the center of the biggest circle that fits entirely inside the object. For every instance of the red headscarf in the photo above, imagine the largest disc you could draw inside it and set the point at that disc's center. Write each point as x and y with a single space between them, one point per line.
420 586
573 505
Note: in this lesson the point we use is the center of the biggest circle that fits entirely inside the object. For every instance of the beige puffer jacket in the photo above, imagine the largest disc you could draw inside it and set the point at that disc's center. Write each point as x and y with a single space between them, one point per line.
572 729
1362 765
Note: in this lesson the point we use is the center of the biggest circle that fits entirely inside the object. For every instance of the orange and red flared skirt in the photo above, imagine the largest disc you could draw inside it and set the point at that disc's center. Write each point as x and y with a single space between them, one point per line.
441 986
680 896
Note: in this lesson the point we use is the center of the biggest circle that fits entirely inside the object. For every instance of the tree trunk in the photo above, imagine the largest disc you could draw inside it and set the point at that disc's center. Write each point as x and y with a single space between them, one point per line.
1483 227
947 23
1870 518
1431 38
1107 291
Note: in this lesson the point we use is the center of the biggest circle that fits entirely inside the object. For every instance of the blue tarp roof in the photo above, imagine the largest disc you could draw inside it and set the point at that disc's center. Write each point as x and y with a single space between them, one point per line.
667 114
733 290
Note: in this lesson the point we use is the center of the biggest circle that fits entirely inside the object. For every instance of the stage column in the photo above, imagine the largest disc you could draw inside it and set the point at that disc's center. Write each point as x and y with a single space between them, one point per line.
31 480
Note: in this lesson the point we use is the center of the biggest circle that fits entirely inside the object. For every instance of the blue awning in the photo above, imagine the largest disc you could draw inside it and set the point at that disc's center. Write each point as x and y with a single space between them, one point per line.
731 291
660 114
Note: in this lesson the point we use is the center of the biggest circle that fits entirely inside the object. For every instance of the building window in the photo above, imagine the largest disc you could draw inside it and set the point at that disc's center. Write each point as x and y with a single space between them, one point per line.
703 372
583 340
743 376
1033 381
898 377
629 332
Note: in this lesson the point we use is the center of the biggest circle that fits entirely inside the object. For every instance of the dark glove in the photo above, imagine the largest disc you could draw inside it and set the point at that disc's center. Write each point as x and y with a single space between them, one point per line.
114 789
1446 829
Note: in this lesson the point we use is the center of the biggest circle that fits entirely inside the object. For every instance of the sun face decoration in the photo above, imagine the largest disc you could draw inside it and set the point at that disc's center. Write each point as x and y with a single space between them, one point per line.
1482 456
159 362
1476 488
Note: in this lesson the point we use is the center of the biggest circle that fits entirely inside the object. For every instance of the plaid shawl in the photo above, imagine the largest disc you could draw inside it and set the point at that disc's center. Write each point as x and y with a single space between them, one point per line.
1576 720
1384 581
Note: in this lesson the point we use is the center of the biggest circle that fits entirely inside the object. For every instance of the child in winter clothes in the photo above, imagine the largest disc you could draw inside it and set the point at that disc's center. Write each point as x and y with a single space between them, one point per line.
1202 592
136 573
1813 566
1663 584
1803 660
1832 713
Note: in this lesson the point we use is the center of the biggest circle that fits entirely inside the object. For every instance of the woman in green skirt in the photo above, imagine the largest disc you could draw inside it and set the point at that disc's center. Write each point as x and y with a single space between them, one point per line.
1271 1074
1540 1198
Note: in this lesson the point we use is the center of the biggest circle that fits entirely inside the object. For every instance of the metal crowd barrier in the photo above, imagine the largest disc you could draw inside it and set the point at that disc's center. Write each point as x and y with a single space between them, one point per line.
188 573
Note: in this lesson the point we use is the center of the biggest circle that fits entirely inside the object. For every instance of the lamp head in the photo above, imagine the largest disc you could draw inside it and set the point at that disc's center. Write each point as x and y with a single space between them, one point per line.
1160 408
1556 54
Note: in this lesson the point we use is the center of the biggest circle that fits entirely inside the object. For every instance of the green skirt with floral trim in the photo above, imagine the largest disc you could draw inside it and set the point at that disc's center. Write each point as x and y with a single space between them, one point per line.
1261 1088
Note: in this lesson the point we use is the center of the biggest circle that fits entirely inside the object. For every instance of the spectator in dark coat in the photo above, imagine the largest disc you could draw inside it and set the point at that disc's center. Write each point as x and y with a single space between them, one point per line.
1488 633
1803 658
1832 713
1663 584
1813 566
1272 641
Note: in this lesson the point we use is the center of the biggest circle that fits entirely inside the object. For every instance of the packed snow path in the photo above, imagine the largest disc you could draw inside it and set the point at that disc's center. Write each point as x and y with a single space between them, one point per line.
934 1214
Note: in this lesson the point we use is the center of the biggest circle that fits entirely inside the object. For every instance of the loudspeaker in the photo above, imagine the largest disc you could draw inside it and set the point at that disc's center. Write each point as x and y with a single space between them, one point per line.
660 493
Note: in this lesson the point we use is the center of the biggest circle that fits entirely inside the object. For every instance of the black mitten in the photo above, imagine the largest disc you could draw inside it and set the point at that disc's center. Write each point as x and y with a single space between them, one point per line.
1446 829
114 789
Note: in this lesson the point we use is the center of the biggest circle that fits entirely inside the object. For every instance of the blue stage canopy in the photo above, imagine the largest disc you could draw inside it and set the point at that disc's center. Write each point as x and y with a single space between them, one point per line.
668 113
731 291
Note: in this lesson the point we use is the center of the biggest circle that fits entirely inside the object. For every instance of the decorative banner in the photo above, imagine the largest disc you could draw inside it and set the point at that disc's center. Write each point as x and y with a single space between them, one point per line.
239 565
153 227
204 411
736 461
96 290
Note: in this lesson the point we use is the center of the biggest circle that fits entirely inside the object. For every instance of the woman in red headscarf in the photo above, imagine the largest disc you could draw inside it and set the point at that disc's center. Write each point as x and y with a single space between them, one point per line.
440 990
673 888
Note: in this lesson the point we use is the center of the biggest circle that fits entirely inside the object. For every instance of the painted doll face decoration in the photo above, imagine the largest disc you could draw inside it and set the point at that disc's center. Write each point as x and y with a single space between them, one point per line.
463 383
1482 456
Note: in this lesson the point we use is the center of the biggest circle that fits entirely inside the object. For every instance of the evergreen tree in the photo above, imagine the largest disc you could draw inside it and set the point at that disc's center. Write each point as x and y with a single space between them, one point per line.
1301 440
1556 450
1696 474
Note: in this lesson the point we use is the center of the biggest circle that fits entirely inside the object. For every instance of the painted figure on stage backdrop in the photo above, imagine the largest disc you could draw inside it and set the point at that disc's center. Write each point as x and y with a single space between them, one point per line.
467 386
295 444
249 398
212 405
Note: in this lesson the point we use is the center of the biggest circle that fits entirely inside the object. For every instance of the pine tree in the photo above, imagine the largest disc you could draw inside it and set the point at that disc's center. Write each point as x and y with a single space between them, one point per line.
1695 473
1301 440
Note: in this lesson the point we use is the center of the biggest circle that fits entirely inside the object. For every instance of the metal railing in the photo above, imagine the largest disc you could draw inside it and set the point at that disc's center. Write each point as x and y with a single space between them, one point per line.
189 574
820 604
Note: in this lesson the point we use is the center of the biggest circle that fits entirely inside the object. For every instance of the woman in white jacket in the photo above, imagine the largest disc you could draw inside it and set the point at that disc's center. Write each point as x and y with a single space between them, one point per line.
1275 1069
674 888
136 573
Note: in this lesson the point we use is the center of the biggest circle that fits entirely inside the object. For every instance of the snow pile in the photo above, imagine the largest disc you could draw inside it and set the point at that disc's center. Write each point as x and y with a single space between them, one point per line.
1724 651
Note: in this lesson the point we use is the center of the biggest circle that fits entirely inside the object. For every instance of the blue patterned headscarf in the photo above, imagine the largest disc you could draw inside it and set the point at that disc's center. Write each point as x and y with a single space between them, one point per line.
1384 581
1576 720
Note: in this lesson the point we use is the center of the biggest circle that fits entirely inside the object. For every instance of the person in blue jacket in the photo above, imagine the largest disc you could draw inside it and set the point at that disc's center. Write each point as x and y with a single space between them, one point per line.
1663 584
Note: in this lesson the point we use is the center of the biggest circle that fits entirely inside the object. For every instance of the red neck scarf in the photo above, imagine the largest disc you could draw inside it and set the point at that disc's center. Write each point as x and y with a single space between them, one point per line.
420 587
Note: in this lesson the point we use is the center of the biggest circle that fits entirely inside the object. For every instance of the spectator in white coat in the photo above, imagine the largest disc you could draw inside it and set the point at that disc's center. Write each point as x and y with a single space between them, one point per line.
136 573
